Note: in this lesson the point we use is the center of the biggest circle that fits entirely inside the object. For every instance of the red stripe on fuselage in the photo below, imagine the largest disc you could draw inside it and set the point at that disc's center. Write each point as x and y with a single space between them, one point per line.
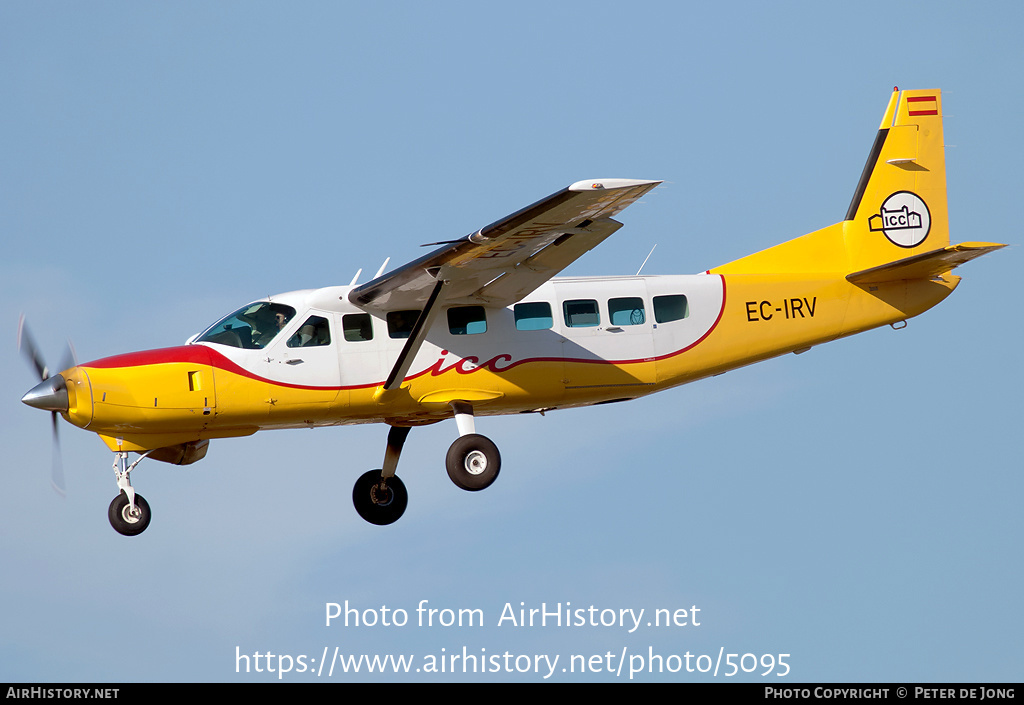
182 353
195 354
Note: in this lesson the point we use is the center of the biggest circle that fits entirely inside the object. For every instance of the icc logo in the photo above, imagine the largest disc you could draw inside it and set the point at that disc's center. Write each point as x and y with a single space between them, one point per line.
904 218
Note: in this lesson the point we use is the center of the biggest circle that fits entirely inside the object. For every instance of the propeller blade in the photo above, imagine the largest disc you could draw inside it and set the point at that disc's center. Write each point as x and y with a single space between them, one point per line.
49 394
70 359
57 462
28 347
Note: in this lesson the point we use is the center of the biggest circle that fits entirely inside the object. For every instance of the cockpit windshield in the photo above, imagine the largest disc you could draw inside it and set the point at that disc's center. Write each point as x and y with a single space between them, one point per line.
252 326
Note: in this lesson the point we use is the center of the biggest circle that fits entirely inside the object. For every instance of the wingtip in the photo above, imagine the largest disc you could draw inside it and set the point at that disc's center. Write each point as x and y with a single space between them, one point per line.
606 184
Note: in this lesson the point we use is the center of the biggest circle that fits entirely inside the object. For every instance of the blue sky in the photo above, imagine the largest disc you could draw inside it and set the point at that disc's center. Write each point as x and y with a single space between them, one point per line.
855 507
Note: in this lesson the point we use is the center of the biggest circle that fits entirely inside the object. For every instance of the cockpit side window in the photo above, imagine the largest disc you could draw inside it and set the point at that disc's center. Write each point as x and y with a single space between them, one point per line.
252 326
314 332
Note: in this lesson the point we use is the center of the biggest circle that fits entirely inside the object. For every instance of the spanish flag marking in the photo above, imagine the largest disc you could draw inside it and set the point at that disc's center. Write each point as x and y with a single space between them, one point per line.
922 105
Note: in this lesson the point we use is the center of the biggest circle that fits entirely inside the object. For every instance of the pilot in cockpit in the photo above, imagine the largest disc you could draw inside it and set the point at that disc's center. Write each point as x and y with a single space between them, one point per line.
269 324
250 327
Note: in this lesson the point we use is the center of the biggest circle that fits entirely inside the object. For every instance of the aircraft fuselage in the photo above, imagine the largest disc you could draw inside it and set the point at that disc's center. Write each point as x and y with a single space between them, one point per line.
573 342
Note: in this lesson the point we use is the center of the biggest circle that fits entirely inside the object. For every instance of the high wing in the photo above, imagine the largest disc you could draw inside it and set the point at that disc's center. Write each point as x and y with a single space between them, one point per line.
506 260
501 263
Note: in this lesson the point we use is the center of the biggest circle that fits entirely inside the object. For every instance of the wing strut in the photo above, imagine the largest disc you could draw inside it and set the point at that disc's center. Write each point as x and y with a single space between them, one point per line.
416 336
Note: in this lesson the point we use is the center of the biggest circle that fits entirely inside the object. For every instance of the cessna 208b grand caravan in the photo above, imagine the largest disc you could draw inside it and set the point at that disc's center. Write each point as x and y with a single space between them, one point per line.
479 327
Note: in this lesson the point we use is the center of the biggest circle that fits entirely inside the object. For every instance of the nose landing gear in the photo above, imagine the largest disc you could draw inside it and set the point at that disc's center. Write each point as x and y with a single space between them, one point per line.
129 512
126 519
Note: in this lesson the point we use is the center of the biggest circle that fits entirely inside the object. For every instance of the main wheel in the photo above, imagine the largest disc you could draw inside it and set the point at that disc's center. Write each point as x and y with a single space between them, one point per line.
124 520
473 462
379 501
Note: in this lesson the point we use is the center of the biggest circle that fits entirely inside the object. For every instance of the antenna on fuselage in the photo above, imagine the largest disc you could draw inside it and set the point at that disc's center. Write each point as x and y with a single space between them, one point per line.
645 260
356 277
381 270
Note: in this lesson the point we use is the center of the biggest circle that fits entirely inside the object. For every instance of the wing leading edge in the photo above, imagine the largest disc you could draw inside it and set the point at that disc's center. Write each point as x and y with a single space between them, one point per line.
501 263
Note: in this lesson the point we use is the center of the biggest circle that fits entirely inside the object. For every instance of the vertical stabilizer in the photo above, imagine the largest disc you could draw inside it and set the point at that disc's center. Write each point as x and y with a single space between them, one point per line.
899 207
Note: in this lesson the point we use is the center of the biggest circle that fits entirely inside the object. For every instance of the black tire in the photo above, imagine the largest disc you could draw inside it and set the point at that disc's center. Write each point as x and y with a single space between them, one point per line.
379 505
473 462
123 521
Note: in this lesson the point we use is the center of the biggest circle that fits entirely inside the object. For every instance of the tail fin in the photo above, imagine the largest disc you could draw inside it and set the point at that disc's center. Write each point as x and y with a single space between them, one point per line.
897 226
899 207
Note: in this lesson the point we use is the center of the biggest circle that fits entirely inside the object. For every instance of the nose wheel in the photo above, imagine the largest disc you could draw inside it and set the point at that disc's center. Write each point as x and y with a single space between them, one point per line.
129 512
126 519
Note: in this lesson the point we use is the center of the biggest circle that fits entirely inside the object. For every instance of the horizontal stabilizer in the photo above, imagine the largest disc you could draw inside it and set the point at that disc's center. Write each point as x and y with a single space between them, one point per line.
925 265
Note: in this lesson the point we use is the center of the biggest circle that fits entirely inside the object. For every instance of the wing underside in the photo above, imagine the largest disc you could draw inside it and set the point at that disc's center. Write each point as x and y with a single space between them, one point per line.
500 264
506 260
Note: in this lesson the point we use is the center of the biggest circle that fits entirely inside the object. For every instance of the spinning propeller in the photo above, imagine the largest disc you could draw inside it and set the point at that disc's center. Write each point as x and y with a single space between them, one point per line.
51 394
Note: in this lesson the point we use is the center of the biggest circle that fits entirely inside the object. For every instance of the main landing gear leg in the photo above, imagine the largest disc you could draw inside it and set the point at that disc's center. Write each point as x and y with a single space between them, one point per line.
380 496
129 512
473 460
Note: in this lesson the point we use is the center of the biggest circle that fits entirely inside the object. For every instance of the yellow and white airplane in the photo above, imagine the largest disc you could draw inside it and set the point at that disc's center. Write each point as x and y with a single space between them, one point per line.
480 327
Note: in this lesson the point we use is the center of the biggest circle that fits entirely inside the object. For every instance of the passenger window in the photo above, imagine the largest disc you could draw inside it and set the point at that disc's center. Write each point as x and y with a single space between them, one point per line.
400 323
313 333
670 308
581 313
627 311
357 326
467 320
533 316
